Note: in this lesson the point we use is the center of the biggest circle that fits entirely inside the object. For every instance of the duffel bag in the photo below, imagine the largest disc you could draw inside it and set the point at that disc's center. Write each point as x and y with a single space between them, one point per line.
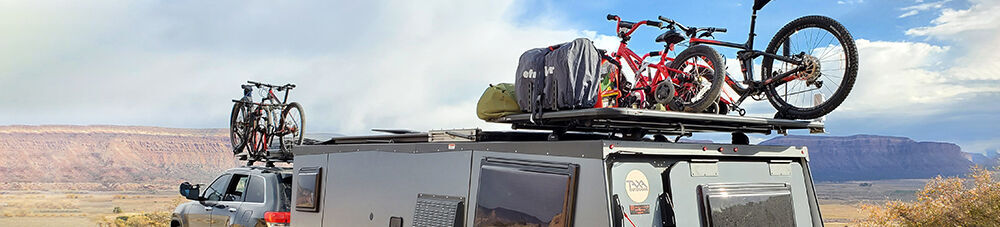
497 101
571 76
530 78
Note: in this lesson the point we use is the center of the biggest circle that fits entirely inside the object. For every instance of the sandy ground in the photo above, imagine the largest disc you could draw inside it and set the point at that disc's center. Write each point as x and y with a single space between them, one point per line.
839 203
77 208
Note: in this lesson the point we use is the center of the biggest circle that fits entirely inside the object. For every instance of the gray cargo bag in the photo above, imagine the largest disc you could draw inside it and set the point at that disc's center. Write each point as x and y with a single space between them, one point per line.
572 77
563 76
530 79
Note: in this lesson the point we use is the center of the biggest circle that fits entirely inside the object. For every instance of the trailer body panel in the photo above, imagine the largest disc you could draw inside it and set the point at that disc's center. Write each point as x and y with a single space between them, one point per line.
654 183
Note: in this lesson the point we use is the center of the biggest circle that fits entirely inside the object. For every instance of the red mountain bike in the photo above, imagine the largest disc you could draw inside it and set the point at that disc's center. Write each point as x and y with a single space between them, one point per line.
809 60
691 83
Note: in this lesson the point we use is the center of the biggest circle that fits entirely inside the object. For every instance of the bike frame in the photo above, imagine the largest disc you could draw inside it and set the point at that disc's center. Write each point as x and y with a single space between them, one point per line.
746 55
636 63
266 107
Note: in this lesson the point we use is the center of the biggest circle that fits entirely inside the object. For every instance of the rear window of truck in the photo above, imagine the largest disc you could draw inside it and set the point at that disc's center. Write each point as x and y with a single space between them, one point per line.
285 189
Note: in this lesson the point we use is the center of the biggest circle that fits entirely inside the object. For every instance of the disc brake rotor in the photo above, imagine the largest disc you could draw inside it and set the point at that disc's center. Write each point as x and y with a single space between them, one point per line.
811 70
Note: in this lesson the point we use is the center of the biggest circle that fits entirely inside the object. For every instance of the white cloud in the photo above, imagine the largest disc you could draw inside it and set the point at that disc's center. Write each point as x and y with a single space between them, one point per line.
850 2
908 78
981 16
909 13
359 65
916 9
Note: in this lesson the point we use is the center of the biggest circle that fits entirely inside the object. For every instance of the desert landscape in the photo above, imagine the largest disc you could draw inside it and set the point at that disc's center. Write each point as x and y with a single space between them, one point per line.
839 203
126 175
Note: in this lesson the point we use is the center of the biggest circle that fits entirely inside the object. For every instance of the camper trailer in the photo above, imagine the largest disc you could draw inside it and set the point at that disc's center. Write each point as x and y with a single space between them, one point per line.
594 167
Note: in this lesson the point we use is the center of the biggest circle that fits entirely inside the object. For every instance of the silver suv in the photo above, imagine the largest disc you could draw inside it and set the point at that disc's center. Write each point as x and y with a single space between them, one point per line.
244 196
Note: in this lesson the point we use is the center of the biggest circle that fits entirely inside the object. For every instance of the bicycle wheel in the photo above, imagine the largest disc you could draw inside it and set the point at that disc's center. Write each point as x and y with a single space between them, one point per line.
293 122
238 126
701 86
831 65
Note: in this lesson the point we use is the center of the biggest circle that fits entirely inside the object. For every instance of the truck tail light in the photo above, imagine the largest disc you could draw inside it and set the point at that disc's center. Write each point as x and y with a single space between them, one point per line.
277 219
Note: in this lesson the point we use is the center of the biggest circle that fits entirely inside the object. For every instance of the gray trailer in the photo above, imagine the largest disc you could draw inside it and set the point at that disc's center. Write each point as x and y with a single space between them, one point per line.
590 170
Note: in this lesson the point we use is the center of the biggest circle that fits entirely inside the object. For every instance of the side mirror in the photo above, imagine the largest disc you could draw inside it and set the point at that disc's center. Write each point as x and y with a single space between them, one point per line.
190 192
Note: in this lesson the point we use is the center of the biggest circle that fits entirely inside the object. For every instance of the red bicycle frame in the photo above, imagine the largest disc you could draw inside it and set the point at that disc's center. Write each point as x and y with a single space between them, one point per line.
636 64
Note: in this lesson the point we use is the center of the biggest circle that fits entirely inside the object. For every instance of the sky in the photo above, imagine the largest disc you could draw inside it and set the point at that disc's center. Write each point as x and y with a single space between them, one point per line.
929 70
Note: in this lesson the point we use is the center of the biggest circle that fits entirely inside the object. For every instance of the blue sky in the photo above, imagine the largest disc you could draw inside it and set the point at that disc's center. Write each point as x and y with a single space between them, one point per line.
929 69
969 119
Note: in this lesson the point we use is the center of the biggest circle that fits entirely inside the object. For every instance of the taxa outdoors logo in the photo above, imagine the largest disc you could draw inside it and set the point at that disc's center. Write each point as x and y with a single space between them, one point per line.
636 186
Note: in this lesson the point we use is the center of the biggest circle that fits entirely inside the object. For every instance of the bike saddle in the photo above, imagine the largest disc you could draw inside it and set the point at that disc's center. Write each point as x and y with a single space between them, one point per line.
670 37
758 4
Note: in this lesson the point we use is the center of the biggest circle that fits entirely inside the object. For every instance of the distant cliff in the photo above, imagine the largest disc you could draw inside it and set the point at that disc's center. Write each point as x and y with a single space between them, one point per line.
869 157
110 157
130 157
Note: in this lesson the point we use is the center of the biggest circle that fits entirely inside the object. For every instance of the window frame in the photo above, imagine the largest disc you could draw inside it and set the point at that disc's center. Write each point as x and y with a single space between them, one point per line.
569 170
707 191
317 173
227 177
233 185
264 188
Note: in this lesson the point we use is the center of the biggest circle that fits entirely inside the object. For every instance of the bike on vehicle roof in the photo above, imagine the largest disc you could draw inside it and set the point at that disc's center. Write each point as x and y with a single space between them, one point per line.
807 70
255 125
691 82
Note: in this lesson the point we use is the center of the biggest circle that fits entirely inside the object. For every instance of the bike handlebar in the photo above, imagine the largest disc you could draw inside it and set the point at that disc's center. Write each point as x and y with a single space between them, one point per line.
612 17
282 87
712 29
690 30
668 20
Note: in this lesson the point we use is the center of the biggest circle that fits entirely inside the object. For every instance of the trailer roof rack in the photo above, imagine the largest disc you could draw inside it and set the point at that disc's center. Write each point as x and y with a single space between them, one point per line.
641 122
591 124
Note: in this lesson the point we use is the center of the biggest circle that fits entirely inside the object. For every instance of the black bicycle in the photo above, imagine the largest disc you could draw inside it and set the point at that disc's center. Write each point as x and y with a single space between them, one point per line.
254 125
809 60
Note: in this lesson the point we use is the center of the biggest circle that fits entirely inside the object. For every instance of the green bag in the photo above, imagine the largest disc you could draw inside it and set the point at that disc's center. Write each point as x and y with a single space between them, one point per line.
497 101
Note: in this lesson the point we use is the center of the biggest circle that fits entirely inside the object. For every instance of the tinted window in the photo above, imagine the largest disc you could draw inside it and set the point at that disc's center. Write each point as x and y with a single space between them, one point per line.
285 189
237 187
307 194
521 193
255 190
749 205
215 191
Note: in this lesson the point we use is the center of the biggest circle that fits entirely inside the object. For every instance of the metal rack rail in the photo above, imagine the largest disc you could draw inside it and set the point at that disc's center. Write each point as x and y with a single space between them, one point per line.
641 122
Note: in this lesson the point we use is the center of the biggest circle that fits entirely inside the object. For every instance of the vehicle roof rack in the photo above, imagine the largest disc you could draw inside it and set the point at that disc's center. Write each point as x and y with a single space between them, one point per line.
462 135
637 121
593 124
273 154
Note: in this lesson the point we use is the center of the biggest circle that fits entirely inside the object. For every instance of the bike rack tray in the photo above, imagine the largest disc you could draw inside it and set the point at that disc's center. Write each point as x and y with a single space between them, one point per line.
637 121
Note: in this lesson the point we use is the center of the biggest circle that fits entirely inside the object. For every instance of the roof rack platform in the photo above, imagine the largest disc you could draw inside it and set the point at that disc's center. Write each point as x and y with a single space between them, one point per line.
637 121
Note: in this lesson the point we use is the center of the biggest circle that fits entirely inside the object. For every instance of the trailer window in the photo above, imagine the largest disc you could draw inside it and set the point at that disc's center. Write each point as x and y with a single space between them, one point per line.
748 204
525 193
307 194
